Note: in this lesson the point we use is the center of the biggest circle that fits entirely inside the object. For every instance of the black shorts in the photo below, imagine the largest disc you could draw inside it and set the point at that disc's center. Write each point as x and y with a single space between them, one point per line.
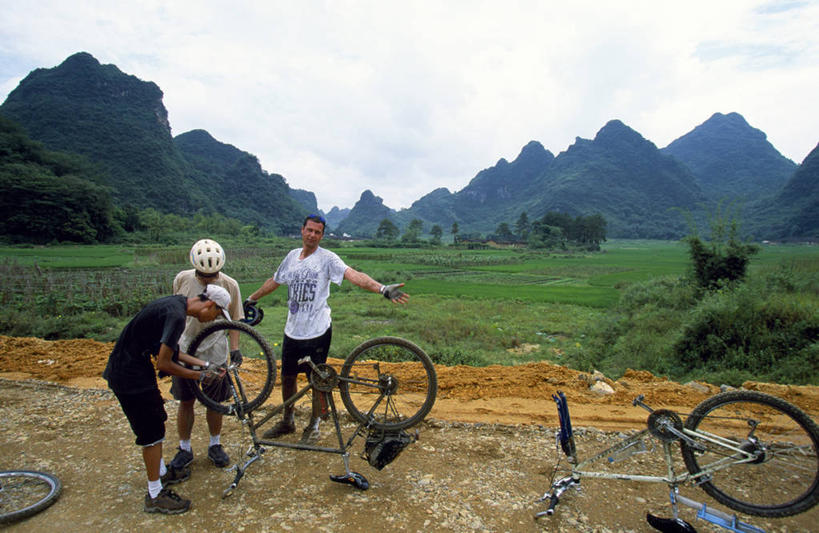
145 412
182 389
294 349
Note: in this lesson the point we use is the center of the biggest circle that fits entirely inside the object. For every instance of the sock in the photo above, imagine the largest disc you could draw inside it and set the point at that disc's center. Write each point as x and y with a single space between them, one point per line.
215 439
186 445
154 487
162 468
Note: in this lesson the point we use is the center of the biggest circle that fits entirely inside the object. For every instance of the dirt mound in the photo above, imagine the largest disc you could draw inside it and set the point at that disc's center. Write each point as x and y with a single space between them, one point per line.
494 394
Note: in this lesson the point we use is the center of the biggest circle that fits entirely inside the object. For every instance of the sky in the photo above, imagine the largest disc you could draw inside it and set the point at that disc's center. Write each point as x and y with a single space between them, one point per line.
404 97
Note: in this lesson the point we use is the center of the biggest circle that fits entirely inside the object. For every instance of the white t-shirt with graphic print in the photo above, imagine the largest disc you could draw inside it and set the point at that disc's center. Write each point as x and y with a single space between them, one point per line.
308 288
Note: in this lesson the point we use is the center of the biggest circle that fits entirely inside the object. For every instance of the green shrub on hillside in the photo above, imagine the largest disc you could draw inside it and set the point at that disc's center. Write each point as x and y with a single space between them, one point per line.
764 330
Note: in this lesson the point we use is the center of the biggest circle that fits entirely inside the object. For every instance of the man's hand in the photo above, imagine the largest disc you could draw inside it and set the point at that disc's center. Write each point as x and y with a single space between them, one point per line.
211 374
394 294
236 357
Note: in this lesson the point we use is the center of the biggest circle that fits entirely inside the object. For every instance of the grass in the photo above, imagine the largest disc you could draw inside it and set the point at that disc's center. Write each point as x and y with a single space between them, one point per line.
474 307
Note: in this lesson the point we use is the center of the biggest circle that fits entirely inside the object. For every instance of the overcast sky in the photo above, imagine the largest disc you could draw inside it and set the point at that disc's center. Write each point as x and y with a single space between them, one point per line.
403 97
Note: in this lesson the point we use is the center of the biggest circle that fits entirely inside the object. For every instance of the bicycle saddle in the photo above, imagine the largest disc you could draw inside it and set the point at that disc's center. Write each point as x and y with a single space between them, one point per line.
353 478
669 525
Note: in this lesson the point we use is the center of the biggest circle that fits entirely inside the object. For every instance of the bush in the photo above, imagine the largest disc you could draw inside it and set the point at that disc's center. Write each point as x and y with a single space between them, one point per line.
92 325
770 335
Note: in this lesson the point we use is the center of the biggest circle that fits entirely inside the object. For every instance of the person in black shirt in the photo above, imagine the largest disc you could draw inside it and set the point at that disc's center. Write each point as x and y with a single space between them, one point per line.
130 372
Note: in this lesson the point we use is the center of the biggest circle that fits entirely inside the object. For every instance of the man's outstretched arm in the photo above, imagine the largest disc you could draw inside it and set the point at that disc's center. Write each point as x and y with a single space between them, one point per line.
391 292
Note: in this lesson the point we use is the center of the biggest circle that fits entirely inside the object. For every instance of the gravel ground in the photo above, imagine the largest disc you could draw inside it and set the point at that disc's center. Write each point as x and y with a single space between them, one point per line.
457 477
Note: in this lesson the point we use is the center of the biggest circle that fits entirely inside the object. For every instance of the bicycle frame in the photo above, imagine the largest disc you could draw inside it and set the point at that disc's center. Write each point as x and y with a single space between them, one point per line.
326 390
636 444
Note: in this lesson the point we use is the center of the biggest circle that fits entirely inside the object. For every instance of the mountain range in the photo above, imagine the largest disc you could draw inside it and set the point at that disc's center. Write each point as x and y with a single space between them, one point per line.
120 124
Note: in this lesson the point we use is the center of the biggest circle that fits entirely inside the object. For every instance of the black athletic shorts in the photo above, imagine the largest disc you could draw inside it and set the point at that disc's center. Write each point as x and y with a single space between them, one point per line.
182 389
294 349
145 412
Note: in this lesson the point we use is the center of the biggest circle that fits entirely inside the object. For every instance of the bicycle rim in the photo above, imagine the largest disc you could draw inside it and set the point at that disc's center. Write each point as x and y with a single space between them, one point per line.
24 493
388 383
250 382
783 480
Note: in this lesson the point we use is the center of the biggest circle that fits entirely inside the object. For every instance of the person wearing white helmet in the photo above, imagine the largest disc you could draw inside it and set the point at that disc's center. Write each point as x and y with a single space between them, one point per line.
207 258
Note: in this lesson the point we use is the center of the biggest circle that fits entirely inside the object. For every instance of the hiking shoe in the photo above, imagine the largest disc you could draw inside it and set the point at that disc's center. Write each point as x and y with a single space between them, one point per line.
182 459
218 456
175 475
311 434
281 428
166 502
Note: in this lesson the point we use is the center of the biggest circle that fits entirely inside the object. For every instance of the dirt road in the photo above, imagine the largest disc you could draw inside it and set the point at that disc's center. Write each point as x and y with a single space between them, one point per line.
485 455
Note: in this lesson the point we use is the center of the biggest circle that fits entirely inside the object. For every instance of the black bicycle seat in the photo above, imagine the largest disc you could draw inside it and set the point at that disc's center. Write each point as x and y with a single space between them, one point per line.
353 478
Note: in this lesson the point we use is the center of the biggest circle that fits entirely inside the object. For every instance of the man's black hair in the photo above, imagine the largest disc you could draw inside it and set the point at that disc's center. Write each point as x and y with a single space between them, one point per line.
316 218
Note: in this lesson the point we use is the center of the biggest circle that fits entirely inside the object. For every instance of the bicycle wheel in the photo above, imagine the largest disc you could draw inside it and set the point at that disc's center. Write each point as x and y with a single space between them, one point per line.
388 383
25 492
782 480
250 382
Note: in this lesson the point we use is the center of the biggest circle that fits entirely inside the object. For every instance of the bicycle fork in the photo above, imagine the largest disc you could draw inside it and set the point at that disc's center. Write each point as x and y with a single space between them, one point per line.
565 438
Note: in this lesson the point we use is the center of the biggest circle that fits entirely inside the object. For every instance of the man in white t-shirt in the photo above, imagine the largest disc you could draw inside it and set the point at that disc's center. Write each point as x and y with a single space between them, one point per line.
208 258
308 272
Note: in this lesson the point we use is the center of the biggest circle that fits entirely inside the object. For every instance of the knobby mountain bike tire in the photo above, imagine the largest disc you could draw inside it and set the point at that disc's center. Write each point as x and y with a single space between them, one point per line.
783 480
251 381
388 383
26 492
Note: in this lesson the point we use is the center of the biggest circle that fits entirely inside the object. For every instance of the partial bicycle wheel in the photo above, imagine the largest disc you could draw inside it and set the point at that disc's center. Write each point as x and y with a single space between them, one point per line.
26 492
250 382
783 477
388 383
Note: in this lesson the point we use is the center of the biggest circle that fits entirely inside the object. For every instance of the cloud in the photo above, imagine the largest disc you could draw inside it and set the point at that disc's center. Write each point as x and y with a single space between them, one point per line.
403 98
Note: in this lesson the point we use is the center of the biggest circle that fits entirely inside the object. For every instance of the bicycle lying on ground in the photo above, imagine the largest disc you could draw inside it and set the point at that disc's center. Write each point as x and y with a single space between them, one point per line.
26 492
754 453
387 385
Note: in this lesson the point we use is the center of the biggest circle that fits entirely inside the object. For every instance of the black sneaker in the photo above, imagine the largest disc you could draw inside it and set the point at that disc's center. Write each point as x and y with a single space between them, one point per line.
282 427
166 502
182 459
218 456
175 475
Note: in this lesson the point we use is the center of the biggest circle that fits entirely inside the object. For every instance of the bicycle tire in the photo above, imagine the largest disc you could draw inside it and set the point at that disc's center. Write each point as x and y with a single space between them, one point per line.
26 492
784 481
252 381
371 379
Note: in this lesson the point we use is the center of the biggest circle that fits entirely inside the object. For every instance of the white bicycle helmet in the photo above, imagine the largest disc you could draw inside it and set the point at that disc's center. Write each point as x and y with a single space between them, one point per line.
207 256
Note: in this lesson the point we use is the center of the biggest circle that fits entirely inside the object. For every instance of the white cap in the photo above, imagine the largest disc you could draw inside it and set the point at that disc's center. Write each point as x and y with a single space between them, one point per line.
219 296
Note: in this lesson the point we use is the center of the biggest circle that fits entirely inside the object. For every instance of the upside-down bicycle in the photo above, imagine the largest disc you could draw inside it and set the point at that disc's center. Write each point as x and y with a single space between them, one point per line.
752 452
387 385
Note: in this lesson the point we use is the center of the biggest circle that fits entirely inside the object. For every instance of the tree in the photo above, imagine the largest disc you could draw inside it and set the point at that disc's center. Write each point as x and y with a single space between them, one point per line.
387 230
545 236
522 226
413 231
436 233
590 231
454 232
153 222
725 259
504 233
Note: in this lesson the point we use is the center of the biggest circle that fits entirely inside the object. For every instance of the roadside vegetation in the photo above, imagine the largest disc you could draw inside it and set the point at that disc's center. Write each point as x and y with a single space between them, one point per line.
635 304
